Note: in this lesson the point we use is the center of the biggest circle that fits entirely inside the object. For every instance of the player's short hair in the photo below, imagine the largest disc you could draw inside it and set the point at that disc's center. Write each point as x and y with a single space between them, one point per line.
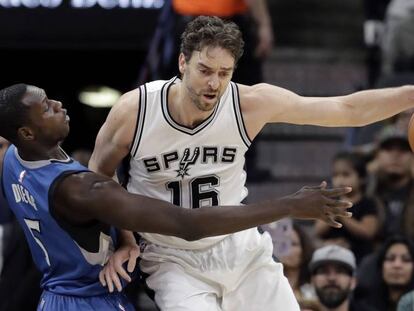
13 113
211 31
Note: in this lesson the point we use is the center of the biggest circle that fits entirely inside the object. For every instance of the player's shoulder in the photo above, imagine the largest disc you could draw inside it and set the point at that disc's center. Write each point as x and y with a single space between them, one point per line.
248 93
128 98
155 86
77 184
126 105
130 101
249 90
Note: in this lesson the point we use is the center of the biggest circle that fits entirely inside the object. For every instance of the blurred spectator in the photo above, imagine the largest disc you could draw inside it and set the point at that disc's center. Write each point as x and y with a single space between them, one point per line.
332 268
398 41
295 263
386 275
358 232
406 302
392 183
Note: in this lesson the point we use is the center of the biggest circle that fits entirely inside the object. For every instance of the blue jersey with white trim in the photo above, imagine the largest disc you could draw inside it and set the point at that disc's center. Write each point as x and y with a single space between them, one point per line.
69 257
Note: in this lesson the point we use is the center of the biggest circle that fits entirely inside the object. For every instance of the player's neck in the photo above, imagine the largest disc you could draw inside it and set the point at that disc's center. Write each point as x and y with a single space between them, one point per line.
182 108
41 153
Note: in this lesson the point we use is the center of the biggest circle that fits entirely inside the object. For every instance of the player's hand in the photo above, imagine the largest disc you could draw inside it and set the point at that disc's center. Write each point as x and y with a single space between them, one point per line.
321 203
113 269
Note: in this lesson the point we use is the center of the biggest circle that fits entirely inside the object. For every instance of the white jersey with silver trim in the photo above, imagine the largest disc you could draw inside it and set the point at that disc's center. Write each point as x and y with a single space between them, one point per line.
190 167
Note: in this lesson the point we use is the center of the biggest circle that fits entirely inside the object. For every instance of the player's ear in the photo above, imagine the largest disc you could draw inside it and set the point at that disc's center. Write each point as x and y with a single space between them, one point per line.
25 133
181 63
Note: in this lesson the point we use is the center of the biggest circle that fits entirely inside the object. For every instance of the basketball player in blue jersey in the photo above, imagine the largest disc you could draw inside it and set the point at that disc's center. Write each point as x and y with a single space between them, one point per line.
186 139
66 210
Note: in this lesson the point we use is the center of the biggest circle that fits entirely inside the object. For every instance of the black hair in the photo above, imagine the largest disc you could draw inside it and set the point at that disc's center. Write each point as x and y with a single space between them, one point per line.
395 239
13 113
357 161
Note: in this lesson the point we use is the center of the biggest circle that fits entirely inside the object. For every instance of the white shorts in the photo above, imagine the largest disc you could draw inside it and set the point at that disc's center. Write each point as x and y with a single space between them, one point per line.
236 274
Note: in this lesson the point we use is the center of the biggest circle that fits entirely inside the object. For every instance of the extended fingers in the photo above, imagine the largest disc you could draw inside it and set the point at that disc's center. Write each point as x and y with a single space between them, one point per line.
338 209
102 277
336 192
332 222
111 277
133 255
115 279
321 186
119 269
343 204
108 279
122 273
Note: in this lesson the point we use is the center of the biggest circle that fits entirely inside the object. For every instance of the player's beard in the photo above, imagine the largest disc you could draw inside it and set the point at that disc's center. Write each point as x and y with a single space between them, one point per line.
332 299
196 98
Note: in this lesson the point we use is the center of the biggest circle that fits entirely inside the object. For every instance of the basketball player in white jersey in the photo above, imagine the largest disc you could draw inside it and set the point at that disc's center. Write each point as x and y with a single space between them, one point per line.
186 139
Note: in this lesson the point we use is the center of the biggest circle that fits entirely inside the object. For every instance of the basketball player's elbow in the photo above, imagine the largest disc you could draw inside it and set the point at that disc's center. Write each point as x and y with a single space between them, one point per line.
191 233
190 228
191 236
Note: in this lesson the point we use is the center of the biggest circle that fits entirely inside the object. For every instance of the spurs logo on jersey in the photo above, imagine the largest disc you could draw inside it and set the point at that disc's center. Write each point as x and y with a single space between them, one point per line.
182 163
185 162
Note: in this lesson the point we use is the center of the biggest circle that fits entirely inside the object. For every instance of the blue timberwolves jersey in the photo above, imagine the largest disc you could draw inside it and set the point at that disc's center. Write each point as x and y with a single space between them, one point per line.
69 257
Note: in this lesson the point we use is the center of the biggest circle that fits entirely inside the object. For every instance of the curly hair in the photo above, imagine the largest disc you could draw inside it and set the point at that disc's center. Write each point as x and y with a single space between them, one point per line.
211 31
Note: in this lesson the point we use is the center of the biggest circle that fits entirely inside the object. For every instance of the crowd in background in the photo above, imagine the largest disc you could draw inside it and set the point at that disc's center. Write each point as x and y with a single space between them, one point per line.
368 264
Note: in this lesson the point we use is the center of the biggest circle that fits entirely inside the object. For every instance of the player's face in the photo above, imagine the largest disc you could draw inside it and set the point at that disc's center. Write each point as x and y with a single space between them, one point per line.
344 175
395 159
332 283
207 75
397 268
48 120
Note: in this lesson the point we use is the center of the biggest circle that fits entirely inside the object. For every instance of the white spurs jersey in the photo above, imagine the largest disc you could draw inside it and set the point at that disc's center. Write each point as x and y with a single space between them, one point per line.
191 168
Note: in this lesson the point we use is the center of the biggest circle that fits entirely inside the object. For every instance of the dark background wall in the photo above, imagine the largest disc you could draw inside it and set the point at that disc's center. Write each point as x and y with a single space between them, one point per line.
63 49
65 45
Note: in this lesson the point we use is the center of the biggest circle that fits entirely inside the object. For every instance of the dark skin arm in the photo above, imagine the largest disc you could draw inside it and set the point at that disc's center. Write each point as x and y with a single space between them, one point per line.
86 196
82 197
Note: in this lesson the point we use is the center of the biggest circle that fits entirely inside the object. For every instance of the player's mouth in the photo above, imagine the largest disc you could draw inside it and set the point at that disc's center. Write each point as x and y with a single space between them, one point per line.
210 97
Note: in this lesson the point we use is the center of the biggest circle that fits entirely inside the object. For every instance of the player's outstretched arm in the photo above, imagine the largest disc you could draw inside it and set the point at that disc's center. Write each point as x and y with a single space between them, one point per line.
264 103
79 198
310 202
